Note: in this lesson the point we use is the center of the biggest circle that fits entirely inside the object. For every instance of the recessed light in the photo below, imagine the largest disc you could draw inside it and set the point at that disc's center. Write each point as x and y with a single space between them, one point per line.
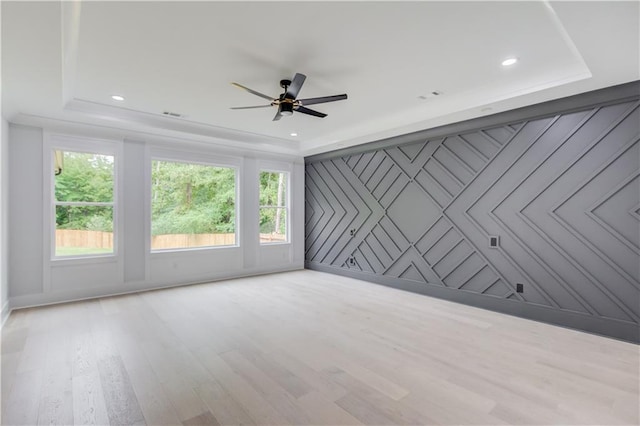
509 61
294 134
117 98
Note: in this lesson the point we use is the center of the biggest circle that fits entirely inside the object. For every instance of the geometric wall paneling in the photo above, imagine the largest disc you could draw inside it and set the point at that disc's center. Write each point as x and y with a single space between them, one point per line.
561 191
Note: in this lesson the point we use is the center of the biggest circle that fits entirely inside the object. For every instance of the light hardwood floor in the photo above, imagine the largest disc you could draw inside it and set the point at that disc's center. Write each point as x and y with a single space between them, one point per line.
305 348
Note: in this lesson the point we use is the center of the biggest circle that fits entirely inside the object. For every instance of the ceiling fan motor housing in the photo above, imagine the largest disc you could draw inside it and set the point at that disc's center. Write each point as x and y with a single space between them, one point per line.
286 108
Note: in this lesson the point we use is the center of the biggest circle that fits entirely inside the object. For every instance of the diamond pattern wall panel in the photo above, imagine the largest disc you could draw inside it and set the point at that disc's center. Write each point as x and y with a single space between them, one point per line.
562 193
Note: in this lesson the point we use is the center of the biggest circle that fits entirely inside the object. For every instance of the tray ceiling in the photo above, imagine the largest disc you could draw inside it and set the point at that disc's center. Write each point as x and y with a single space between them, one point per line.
64 61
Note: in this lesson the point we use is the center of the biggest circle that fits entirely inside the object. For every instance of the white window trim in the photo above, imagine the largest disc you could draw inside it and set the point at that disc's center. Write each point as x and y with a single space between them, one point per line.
270 167
54 142
199 158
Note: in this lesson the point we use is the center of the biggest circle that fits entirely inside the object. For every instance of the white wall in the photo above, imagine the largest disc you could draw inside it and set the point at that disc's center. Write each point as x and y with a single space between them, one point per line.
34 278
4 216
4 222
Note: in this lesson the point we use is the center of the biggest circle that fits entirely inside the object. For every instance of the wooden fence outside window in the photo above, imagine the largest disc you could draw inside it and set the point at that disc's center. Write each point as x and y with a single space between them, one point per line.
99 239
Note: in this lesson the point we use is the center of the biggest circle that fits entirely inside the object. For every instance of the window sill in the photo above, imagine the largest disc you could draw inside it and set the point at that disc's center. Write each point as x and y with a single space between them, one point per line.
275 243
83 260
191 251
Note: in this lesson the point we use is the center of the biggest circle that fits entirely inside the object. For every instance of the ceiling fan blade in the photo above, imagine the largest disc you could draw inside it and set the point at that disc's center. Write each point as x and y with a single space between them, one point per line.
310 112
311 101
252 107
295 86
262 95
278 116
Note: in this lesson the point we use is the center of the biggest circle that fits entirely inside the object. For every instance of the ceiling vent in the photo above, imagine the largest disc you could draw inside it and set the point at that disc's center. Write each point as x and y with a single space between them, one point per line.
173 114
430 95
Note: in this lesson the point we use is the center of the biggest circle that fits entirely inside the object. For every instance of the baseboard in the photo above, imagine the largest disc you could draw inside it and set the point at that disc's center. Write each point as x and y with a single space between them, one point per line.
52 298
604 327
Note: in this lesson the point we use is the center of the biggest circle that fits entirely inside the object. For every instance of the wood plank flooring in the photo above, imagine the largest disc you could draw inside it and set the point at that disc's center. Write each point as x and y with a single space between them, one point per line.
305 348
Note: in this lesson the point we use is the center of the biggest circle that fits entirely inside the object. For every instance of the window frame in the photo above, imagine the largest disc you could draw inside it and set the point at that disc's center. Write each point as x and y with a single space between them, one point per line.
85 145
286 207
187 157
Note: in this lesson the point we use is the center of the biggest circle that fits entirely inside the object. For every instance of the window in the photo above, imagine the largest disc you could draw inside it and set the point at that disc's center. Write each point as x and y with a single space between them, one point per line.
273 207
192 205
83 203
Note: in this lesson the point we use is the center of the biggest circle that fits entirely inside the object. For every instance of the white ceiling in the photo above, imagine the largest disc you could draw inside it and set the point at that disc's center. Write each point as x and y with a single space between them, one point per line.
63 61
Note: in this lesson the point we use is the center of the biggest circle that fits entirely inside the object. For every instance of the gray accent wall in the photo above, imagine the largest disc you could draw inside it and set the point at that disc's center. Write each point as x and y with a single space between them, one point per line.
557 183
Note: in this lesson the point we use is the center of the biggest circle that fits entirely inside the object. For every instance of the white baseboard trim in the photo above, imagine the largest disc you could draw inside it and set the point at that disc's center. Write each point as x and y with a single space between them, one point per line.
4 314
42 299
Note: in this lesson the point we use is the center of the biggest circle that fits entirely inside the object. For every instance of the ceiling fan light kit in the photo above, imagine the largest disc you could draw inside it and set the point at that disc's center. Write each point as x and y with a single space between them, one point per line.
287 102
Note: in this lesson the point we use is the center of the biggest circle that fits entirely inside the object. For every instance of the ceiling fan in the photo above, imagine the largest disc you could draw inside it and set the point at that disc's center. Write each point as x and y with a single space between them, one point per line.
287 102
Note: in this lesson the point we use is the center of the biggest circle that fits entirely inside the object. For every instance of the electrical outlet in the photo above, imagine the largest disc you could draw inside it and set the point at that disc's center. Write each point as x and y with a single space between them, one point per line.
352 232
494 241
351 261
519 288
